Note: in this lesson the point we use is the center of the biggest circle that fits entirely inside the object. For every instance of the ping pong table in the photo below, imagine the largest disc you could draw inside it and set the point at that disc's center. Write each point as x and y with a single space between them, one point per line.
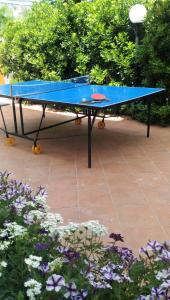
74 93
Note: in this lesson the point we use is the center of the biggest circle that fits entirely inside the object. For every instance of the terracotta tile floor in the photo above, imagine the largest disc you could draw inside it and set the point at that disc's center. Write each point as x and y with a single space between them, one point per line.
127 189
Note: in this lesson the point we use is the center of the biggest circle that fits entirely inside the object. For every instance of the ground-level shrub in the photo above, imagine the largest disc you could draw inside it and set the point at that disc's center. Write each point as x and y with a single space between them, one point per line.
44 260
160 115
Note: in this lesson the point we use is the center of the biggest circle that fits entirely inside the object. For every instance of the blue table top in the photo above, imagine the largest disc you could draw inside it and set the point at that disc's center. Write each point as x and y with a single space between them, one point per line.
76 94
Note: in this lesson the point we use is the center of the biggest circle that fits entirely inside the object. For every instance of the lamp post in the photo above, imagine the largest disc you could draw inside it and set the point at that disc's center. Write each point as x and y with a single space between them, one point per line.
137 14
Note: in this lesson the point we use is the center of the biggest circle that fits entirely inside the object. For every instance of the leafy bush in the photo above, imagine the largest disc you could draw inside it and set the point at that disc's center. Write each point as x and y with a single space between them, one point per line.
92 37
79 38
42 259
153 53
160 114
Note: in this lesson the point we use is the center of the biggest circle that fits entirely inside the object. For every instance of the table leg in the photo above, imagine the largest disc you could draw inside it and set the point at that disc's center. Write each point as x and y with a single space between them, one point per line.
149 117
39 128
3 119
21 117
89 137
14 116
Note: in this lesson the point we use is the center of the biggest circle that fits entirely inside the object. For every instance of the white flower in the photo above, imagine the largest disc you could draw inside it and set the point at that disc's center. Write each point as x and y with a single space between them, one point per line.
73 226
39 199
63 230
3 264
51 222
68 229
33 216
36 214
31 204
3 233
56 263
95 227
34 288
15 230
31 294
4 245
33 261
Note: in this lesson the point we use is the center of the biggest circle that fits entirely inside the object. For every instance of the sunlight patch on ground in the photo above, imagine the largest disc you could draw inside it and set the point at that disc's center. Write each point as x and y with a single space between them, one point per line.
70 114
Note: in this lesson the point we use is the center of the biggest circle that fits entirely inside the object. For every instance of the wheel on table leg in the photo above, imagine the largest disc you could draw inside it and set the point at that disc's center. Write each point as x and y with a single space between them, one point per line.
101 124
78 122
10 141
36 149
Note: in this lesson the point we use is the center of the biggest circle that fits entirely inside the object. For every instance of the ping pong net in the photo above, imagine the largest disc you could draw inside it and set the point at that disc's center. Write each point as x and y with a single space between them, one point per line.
23 90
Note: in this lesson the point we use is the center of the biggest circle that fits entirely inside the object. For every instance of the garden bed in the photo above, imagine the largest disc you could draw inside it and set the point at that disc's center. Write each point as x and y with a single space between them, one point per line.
43 259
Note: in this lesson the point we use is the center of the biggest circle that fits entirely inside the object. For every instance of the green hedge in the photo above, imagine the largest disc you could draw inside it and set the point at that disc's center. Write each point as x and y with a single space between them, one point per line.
59 40
153 53
94 38
160 115
42 259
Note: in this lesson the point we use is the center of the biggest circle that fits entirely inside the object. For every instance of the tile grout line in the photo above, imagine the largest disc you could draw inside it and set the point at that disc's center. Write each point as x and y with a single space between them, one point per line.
147 201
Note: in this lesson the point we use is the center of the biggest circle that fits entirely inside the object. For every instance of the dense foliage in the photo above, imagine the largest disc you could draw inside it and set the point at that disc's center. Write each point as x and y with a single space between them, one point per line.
5 17
160 114
62 39
153 53
44 260
78 38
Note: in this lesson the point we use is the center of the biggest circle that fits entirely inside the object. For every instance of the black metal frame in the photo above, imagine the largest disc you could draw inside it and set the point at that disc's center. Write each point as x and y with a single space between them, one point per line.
90 112
4 123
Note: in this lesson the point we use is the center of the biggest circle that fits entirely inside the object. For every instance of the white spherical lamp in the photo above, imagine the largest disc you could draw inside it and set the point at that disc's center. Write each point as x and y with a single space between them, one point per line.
137 13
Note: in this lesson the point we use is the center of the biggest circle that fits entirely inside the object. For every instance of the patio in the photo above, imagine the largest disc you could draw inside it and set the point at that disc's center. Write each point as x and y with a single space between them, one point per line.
127 188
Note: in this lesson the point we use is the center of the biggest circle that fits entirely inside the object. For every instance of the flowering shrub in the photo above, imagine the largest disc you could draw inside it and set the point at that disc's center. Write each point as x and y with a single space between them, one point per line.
42 259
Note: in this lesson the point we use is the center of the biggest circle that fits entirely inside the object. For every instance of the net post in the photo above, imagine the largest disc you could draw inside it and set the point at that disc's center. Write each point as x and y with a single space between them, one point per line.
11 90
14 110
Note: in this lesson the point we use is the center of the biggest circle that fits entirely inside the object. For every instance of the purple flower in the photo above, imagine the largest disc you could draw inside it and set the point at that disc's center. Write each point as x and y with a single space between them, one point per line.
165 255
143 250
100 284
44 267
41 246
108 272
81 295
166 245
113 276
157 292
28 219
125 254
55 282
20 203
89 276
165 284
43 231
69 253
42 192
154 246
62 249
146 297
71 290
116 237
